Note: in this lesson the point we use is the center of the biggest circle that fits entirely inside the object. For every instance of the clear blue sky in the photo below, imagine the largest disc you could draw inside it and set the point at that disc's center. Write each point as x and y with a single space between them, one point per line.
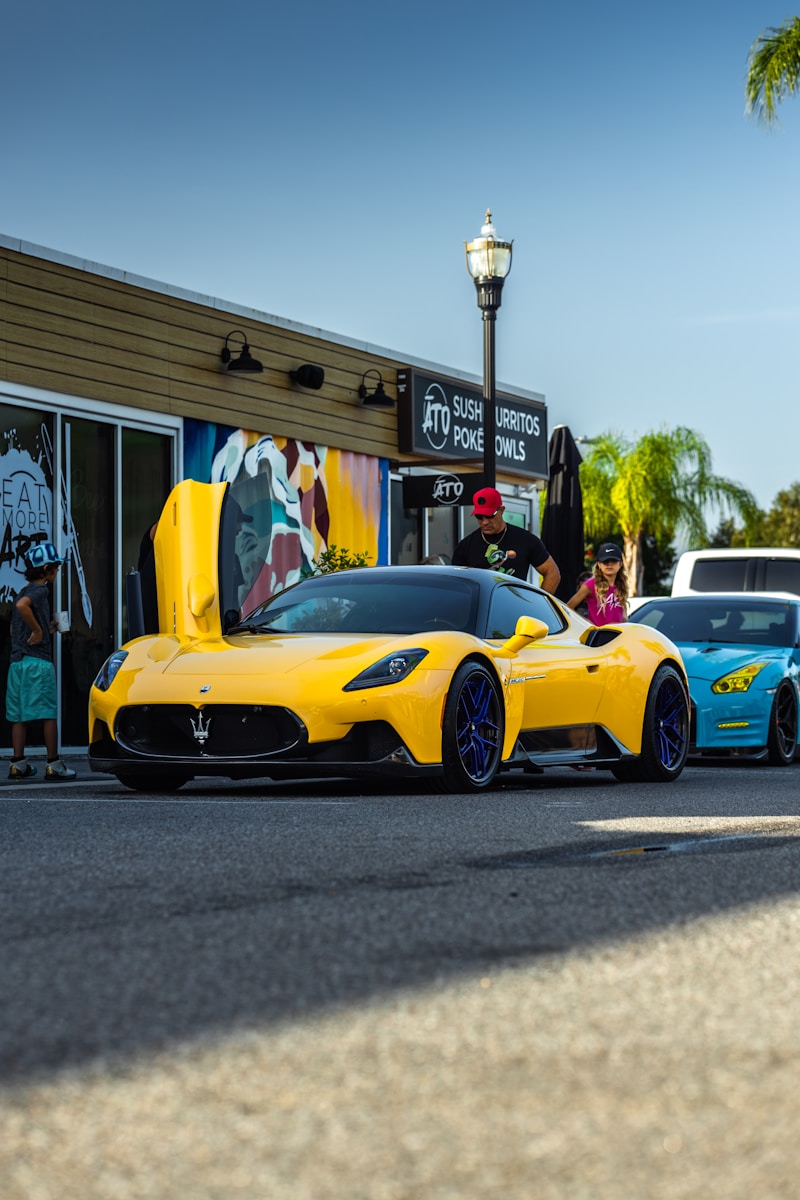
325 163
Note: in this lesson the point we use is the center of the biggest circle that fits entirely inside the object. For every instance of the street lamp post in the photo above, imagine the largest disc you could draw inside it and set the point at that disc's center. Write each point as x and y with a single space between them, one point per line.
488 262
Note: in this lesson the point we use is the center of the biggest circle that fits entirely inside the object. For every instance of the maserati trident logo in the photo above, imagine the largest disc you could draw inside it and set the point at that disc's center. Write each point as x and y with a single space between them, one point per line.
200 729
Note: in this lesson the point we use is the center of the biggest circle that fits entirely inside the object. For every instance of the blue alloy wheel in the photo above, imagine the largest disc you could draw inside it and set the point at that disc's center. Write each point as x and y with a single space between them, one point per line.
672 722
472 730
665 732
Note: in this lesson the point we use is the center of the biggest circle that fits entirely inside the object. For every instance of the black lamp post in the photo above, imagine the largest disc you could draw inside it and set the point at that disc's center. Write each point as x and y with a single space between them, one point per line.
488 262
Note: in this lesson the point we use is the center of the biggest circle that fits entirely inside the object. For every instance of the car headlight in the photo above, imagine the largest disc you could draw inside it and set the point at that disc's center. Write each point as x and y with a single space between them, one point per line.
739 680
391 669
105 676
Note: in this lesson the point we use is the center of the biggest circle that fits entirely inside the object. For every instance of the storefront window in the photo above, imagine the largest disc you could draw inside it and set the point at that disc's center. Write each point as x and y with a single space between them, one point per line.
405 531
92 487
26 515
146 483
442 535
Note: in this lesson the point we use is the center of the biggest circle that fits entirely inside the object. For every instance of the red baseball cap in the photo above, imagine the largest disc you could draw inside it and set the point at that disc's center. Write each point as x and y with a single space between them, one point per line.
486 502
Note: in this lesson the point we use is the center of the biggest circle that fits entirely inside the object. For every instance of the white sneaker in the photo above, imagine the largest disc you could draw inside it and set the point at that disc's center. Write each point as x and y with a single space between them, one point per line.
59 770
21 770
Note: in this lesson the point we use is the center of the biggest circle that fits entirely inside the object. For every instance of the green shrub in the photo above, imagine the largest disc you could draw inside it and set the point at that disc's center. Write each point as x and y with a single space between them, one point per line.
336 558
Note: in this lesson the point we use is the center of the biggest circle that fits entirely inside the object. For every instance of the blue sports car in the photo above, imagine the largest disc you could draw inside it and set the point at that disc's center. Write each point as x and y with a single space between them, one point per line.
742 656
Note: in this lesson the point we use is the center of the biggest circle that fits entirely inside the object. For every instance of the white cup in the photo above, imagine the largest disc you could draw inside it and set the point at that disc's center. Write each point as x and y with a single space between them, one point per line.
62 622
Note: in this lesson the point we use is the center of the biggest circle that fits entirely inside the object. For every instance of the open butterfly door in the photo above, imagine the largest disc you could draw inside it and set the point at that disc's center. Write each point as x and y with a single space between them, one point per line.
194 584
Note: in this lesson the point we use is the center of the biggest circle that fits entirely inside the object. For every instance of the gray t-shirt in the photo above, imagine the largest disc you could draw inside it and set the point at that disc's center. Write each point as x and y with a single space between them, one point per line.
20 632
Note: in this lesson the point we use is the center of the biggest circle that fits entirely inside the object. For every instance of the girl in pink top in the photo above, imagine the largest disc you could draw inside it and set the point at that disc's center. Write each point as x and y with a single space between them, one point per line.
606 591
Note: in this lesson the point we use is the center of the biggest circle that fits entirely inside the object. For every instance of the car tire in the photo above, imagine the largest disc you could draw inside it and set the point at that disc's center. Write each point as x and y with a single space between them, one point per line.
782 738
161 783
665 732
472 730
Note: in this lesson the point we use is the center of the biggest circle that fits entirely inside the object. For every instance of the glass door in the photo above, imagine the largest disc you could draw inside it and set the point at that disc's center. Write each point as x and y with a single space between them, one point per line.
114 484
147 479
87 583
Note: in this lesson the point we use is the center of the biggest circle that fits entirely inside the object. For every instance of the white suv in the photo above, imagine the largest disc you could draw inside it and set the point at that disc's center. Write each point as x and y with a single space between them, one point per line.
749 569
745 569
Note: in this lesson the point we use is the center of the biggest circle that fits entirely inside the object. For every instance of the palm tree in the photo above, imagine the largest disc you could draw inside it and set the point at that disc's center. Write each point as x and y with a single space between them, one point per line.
773 69
661 485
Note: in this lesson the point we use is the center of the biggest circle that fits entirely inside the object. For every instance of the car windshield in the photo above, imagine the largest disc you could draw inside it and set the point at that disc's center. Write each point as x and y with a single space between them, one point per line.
740 622
364 602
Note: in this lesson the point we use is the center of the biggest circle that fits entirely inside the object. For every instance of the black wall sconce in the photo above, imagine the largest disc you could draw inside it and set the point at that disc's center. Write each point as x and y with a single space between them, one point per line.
245 360
308 376
376 398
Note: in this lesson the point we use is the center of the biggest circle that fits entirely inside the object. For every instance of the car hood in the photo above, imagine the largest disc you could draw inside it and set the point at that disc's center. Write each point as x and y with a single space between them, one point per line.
279 653
709 660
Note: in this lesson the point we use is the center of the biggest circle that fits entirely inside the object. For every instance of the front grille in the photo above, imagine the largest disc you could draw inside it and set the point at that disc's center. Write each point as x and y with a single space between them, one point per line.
213 731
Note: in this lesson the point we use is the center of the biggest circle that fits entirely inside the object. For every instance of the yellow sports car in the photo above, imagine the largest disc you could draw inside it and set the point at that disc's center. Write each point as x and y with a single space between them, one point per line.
448 672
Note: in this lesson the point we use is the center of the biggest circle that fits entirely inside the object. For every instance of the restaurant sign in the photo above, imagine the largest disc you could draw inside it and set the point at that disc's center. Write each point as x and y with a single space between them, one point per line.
443 419
440 491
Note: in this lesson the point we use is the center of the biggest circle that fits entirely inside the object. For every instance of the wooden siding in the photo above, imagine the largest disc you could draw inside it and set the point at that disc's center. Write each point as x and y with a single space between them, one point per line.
67 330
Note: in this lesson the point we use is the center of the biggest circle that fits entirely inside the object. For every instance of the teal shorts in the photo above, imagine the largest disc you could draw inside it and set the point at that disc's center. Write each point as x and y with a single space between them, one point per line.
31 691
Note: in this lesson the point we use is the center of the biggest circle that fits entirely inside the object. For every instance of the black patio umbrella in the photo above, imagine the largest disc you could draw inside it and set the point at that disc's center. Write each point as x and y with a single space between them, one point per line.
562 523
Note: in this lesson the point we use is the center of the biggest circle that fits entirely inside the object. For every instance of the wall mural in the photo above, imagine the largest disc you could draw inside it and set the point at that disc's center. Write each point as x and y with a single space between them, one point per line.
299 498
26 515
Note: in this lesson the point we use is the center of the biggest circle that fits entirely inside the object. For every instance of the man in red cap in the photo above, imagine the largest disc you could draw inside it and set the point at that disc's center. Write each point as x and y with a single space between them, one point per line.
502 547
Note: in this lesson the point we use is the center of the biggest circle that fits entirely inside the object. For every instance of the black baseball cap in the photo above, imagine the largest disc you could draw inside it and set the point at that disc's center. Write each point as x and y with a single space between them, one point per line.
609 552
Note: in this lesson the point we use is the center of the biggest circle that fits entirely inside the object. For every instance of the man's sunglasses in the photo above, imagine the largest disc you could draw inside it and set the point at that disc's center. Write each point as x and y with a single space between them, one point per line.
486 516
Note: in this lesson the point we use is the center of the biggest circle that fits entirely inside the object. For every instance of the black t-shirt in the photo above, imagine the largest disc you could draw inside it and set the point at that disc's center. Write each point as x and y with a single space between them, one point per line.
39 596
513 551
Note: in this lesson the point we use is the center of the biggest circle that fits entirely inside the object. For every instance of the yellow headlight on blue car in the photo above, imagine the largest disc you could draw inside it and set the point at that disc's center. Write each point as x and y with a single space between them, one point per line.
739 680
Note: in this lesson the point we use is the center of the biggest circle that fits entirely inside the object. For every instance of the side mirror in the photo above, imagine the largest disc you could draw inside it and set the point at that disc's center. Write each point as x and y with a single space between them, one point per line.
200 599
528 629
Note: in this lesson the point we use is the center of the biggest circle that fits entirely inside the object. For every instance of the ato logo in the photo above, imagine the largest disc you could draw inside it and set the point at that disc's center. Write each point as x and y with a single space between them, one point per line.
436 416
447 489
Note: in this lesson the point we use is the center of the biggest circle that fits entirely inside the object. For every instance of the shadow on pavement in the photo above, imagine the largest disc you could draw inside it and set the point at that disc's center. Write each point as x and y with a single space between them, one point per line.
131 922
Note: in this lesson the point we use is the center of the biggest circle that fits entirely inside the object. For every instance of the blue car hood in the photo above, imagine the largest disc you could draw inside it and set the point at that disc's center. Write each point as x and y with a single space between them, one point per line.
709 660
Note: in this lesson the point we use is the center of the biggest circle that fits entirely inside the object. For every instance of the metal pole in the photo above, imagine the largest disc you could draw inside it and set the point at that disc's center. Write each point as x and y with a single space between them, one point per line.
490 293
489 415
